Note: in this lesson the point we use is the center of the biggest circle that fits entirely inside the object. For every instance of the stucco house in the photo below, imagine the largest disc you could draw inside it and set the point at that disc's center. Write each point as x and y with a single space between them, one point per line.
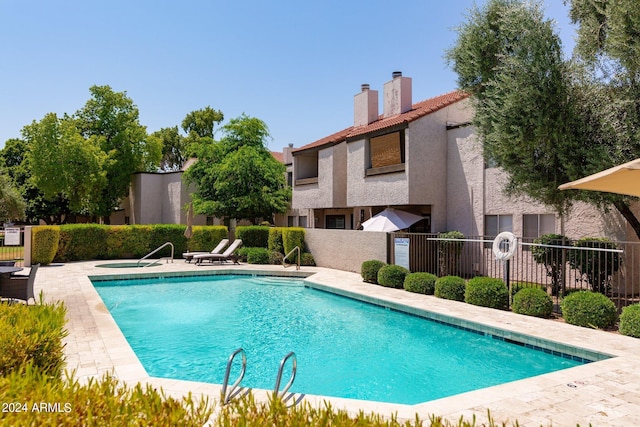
423 158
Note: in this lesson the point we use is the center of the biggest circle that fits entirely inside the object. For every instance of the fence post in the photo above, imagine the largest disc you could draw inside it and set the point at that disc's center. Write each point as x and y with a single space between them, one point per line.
27 246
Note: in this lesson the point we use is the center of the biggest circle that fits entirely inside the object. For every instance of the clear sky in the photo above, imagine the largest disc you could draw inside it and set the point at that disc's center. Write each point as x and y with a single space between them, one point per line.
294 64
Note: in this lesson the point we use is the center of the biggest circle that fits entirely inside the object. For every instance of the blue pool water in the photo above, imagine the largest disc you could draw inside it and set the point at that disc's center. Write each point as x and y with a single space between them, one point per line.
186 328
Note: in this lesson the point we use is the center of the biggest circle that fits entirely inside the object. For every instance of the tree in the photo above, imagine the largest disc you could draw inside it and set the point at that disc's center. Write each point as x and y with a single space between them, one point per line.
543 120
174 150
63 163
113 120
11 204
237 177
201 122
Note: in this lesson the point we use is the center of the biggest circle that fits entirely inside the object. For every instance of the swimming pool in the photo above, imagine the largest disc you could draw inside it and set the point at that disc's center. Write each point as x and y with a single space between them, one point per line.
186 328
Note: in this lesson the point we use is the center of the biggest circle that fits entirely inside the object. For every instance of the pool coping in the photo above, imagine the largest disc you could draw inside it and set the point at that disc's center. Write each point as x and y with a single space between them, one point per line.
605 392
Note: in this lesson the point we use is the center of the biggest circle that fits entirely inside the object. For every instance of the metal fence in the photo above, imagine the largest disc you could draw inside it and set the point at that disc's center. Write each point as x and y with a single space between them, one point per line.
560 267
12 244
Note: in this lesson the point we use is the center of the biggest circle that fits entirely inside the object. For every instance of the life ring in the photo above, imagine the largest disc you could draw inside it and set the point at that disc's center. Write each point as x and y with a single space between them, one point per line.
511 240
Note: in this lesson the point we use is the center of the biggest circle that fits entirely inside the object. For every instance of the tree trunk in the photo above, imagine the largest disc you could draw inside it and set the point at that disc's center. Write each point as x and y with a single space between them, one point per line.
625 210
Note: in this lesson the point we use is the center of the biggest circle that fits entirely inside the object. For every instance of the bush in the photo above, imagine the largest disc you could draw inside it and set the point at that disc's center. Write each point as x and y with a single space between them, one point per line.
44 244
392 276
275 240
292 237
32 335
487 292
82 241
532 302
163 233
205 238
450 287
420 283
590 309
307 259
257 255
449 252
369 270
253 236
551 258
275 258
630 321
595 266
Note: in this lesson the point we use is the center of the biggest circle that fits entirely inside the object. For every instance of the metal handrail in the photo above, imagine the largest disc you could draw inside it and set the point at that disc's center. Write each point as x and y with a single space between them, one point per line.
153 252
284 260
235 389
294 368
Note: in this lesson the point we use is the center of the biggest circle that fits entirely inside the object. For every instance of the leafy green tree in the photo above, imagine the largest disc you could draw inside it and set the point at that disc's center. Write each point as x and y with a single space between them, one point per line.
11 204
62 162
202 122
112 119
237 178
542 119
174 149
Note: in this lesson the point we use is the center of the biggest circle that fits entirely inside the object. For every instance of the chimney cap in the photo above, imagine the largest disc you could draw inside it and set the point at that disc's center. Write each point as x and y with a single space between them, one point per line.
364 86
396 74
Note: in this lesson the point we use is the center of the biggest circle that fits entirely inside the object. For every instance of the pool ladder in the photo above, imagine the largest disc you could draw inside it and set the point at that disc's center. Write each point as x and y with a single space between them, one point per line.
229 393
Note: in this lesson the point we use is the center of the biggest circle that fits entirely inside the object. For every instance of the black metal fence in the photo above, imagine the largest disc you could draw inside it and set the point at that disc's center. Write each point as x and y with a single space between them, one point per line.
612 268
12 244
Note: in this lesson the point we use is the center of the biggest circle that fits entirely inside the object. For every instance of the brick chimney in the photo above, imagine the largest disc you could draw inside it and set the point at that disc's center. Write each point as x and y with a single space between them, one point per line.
397 95
365 106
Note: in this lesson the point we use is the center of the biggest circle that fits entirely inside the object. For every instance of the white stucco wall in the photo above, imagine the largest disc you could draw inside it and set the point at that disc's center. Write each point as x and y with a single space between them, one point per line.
345 249
330 183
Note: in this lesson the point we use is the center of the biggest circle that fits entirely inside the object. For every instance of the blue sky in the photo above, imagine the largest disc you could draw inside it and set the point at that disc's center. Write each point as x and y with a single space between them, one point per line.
294 64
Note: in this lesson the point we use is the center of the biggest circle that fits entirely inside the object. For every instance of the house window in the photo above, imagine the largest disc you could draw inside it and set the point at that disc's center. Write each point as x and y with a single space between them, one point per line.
335 221
290 179
386 153
302 221
496 224
536 225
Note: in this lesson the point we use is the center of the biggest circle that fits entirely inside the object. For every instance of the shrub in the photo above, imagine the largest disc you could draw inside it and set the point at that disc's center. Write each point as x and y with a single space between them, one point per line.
253 236
163 233
369 270
392 276
292 237
630 321
275 258
487 292
590 309
307 259
449 252
275 240
205 238
257 255
32 335
596 266
420 283
532 302
551 258
81 242
44 244
450 287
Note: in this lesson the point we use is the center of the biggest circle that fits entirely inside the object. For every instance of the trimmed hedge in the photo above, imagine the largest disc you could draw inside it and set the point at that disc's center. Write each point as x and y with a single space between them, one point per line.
420 283
532 302
257 255
450 287
392 276
292 237
369 270
307 259
44 244
589 309
253 236
630 321
32 335
487 292
275 240
205 238
82 241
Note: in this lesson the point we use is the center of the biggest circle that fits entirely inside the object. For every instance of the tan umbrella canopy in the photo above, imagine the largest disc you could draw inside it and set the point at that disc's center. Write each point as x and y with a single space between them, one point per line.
622 179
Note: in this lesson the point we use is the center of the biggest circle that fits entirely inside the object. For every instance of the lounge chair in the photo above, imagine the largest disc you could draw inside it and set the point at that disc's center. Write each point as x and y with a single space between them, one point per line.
7 263
188 256
19 287
225 256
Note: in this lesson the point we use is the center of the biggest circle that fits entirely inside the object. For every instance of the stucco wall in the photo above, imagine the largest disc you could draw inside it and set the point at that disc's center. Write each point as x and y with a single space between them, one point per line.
345 249
320 194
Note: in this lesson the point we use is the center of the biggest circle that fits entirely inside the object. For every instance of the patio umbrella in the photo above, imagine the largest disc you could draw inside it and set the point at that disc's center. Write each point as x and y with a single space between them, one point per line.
189 231
390 219
621 179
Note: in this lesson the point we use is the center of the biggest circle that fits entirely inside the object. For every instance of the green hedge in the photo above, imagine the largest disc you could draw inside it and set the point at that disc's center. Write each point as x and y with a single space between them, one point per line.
392 276
275 243
369 270
630 321
421 283
44 244
205 238
532 302
292 237
257 255
253 236
32 335
450 287
82 241
487 292
589 309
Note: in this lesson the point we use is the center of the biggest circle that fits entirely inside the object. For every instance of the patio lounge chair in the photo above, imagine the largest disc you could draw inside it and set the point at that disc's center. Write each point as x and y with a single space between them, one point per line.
7 263
18 286
225 256
188 256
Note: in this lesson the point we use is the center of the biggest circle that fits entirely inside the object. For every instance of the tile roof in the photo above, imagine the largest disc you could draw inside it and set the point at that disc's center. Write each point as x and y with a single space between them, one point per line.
278 156
418 110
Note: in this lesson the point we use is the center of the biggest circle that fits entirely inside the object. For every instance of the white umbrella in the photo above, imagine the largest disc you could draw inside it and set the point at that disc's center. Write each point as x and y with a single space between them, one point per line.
390 219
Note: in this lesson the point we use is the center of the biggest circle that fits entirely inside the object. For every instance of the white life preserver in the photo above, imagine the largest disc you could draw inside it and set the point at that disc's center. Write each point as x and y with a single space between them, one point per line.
511 240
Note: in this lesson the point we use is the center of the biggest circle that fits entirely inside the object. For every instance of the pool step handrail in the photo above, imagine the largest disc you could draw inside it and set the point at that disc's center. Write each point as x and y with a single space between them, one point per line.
153 252
294 368
235 389
285 264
